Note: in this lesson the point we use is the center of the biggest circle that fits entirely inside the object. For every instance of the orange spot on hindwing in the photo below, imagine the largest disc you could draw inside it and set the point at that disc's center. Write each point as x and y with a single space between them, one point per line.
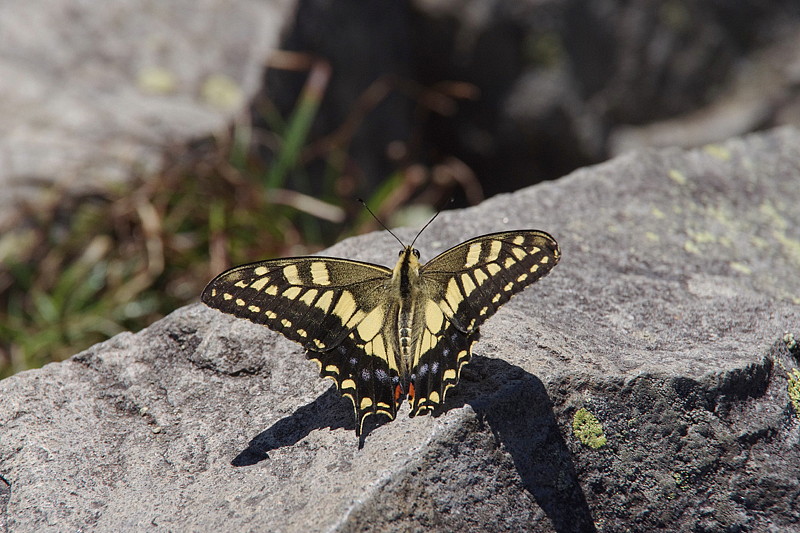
410 392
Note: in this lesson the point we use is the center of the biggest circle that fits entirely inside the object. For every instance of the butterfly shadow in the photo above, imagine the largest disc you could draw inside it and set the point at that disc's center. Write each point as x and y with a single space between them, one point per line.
516 407
329 410
512 402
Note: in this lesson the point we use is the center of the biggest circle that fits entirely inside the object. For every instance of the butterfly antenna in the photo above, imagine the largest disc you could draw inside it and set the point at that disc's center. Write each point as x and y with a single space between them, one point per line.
381 222
431 220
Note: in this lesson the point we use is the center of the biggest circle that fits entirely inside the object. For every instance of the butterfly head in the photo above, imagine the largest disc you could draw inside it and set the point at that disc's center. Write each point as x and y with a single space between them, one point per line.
408 250
409 258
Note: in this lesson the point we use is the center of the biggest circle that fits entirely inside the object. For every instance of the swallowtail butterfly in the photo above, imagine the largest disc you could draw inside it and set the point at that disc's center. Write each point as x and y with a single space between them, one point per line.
384 335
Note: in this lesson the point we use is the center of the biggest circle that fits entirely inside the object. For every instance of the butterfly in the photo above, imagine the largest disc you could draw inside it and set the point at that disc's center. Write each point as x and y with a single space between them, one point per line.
382 334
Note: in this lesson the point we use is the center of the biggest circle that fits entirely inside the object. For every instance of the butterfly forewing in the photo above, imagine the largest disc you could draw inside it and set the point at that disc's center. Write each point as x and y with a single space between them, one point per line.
472 280
311 300
334 307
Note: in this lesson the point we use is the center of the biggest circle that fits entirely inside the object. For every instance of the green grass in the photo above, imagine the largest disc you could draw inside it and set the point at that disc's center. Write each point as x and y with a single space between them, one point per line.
82 269
793 374
76 275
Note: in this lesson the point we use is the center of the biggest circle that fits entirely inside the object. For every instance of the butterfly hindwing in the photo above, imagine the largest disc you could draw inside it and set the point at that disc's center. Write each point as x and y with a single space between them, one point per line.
365 373
438 367
472 280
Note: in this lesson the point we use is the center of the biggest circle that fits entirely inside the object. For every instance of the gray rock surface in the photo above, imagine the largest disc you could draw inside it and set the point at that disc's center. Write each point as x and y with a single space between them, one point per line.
664 319
94 91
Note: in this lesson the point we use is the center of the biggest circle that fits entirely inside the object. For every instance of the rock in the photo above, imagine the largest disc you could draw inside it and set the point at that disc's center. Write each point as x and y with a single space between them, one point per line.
93 92
580 82
665 321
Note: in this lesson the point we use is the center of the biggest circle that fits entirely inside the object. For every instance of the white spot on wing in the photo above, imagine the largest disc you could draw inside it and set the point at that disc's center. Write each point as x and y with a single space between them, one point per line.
453 295
291 293
480 276
433 317
371 325
345 307
324 301
308 297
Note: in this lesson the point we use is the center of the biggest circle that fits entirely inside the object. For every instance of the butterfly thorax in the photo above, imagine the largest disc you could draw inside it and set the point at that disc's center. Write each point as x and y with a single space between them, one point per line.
405 275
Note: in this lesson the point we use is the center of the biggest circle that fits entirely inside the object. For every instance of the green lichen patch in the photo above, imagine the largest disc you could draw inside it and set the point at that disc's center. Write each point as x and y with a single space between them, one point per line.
794 389
588 429
793 375
791 342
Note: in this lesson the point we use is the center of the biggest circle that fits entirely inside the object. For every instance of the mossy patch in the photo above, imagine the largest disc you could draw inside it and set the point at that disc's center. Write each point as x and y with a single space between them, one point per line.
588 429
793 375
794 389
